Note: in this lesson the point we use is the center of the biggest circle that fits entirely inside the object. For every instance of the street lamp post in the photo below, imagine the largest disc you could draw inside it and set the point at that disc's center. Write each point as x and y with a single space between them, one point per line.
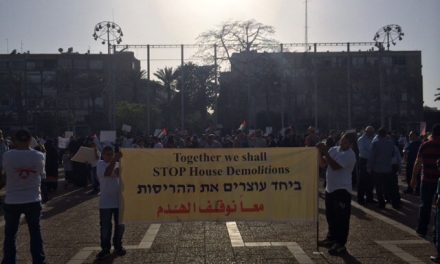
108 33
111 34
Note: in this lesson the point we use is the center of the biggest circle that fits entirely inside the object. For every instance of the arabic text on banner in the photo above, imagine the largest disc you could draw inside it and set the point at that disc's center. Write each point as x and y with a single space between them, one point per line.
263 184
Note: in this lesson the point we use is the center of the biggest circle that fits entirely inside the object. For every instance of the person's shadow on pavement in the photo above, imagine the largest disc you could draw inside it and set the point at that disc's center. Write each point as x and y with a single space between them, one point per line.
349 259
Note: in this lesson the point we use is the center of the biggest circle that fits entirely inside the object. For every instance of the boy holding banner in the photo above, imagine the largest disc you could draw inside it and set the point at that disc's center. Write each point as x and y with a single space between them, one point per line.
340 161
107 171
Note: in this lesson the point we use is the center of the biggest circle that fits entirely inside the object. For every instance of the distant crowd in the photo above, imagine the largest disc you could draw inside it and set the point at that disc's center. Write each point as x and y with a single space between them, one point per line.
370 161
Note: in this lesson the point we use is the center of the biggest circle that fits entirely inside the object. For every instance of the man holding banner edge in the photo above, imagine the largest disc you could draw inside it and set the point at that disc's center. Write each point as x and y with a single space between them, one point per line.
340 161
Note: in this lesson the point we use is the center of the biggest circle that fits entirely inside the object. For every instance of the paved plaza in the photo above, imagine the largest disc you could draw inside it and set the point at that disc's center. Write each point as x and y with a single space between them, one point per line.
70 229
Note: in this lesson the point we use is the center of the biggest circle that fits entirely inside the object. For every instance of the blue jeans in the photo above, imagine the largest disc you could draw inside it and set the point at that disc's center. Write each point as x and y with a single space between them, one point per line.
105 216
32 212
427 191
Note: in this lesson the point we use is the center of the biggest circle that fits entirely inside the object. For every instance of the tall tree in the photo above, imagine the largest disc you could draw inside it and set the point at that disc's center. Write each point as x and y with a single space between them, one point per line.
236 36
200 93
437 95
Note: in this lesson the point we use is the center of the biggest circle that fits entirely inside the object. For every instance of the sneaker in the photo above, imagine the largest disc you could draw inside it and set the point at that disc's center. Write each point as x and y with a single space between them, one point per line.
120 251
103 254
337 250
435 259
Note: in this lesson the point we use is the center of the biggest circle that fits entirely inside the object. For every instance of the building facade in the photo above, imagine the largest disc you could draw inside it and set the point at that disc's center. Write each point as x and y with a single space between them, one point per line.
328 90
63 91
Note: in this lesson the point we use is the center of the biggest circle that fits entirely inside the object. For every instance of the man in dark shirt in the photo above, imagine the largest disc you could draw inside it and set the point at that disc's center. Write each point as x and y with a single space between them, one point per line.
427 156
289 139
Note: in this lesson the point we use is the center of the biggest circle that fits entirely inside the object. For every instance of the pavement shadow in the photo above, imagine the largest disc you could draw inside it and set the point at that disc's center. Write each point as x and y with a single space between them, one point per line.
360 214
346 258
62 204
108 260
350 259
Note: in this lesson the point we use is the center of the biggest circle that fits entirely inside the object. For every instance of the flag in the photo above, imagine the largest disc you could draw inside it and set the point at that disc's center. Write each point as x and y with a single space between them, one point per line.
242 125
163 133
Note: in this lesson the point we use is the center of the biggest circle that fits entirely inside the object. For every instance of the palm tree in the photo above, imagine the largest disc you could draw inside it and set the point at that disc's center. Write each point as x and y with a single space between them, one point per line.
168 78
437 95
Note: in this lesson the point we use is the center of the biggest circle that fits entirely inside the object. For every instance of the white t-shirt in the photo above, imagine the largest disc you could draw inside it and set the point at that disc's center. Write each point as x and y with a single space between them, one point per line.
24 170
340 179
158 145
110 186
95 161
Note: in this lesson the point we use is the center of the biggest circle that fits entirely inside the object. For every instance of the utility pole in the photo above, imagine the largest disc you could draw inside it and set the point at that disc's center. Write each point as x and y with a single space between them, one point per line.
306 37
148 92
182 88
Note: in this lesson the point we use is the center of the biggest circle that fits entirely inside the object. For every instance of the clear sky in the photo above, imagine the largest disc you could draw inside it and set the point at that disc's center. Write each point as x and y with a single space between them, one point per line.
43 26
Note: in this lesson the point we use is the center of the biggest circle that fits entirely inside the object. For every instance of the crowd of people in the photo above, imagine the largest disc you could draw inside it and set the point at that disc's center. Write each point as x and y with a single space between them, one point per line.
369 161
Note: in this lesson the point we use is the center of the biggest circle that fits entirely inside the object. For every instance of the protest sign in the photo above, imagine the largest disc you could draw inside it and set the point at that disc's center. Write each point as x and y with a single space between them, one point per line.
107 136
126 128
268 131
84 155
63 143
157 132
68 134
270 184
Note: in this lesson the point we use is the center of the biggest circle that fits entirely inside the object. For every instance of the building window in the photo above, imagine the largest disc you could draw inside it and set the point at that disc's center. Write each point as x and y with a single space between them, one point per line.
358 61
399 60
50 64
5 102
30 65
80 64
96 65
404 97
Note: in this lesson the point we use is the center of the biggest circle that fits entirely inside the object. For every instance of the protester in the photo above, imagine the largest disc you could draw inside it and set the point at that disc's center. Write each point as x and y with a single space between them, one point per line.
212 142
51 166
157 143
108 174
427 156
331 139
410 156
67 165
352 136
311 139
289 139
436 258
259 141
93 164
380 164
365 184
392 185
340 161
24 168
3 148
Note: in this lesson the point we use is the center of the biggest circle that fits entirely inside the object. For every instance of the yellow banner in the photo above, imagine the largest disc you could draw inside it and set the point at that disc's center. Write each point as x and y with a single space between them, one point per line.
264 184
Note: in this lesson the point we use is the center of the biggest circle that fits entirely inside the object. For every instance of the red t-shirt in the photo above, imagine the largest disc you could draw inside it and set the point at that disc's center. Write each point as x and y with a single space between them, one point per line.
429 153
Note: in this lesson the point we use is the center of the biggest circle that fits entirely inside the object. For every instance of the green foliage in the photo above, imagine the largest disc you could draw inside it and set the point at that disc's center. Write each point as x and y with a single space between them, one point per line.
132 114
